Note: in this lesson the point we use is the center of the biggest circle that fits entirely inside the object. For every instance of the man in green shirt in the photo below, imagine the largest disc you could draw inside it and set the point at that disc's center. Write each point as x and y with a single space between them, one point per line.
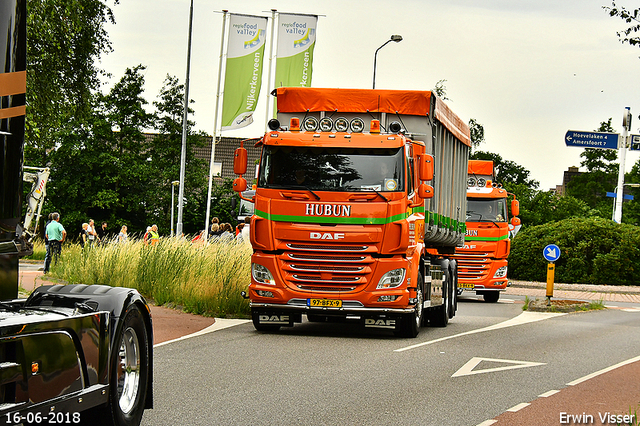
56 235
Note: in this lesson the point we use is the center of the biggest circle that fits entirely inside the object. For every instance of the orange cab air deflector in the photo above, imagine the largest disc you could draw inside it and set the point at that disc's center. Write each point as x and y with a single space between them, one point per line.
404 102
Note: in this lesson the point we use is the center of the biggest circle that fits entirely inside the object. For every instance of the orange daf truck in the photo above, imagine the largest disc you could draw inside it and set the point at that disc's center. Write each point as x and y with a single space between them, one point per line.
482 261
359 206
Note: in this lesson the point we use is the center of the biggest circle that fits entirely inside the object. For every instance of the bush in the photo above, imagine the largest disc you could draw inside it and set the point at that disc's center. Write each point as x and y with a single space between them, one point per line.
593 251
204 280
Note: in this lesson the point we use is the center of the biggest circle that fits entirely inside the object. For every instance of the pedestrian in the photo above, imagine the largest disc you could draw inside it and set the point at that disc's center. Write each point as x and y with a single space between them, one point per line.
56 234
214 222
83 234
227 232
103 236
155 237
147 236
91 232
122 235
246 233
47 250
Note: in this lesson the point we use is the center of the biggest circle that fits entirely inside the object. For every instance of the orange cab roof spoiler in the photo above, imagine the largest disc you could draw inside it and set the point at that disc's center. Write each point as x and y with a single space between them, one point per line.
403 102
480 167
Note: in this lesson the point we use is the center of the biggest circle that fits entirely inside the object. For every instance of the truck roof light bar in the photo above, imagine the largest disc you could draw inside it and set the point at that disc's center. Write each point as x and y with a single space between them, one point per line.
310 124
375 126
294 124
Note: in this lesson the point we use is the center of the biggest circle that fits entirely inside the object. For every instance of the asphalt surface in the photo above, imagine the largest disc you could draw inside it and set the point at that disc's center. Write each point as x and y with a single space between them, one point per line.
609 387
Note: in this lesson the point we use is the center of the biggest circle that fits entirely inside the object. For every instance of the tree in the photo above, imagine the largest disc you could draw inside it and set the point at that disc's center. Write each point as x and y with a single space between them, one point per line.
631 17
164 153
65 38
476 131
600 177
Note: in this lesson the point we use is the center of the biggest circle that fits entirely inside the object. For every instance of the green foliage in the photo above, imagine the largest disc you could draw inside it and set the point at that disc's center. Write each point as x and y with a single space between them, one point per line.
631 17
594 251
476 130
205 280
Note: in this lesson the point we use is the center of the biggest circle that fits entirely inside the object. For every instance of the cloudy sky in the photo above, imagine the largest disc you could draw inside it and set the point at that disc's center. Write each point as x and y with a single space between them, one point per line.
527 70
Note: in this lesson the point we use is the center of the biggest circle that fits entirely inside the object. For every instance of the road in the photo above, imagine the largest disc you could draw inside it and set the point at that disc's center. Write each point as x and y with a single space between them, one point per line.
343 374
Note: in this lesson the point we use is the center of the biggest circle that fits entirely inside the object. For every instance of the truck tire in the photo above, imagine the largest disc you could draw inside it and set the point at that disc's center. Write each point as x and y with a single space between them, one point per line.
440 314
410 324
453 289
491 296
129 373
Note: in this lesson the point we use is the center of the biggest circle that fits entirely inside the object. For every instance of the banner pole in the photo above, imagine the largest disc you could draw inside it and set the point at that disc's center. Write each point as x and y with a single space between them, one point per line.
215 128
273 36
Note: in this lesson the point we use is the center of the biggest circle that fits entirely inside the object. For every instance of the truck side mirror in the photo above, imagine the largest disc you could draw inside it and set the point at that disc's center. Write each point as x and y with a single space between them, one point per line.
515 221
515 207
425 191
425 167
240 161
239 184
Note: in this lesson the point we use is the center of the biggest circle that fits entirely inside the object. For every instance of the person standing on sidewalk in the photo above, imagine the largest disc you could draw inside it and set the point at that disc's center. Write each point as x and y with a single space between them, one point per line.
56 235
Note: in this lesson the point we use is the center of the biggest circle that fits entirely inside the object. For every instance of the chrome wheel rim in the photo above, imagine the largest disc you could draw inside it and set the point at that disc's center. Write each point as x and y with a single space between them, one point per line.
128 370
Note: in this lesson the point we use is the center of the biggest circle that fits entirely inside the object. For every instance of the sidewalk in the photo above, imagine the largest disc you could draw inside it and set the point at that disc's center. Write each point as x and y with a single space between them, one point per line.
606 293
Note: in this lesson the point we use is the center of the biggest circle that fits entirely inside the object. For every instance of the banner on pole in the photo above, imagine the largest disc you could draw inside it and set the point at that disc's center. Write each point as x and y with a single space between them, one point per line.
243 75
296 41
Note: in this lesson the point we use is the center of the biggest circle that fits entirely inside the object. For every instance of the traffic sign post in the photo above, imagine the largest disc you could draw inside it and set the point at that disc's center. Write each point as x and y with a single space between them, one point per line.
551 253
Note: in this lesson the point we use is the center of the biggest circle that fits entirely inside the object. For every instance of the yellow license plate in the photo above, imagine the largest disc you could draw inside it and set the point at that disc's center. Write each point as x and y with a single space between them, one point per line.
466 285
324 303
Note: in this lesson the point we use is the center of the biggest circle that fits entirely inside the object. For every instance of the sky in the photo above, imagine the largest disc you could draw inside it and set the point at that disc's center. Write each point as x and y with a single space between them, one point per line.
527 70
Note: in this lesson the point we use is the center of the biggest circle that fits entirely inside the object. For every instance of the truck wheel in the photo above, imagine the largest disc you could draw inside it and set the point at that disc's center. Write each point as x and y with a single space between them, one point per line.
129 373
255 317
491 296
453 290
440 314
410 324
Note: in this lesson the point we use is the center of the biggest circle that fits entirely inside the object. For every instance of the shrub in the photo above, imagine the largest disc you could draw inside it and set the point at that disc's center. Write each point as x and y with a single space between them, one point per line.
205 280
593 251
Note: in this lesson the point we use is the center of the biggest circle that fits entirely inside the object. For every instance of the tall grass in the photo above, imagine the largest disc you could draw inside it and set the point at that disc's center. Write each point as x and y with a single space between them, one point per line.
205 280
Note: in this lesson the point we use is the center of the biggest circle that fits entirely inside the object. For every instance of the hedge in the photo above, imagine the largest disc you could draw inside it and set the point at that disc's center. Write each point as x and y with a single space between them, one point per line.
593 251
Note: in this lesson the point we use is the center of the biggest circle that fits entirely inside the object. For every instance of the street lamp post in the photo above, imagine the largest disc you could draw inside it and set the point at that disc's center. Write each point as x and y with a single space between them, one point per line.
173 185
396 38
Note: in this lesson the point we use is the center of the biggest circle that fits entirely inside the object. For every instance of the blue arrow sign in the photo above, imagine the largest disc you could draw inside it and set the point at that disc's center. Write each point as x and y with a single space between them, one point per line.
591 139
551 252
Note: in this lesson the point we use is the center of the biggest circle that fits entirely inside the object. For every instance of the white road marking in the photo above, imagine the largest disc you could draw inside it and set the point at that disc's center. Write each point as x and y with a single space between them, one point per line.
519 407
468 368
487 423
548 394
524 318
220 324
604 370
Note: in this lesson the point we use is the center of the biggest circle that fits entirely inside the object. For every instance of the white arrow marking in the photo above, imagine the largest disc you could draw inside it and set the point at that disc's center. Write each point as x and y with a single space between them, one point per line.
468 368
551 252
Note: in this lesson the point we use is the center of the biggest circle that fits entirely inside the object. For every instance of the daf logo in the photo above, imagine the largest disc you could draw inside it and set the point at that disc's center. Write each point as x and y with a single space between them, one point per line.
326 236
379 323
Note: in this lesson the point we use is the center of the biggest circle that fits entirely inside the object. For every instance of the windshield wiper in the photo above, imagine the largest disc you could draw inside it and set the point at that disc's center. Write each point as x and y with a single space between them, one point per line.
379 193
307 189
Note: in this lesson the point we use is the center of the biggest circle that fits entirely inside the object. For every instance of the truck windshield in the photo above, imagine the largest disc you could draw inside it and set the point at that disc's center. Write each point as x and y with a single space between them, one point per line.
332 169
486 210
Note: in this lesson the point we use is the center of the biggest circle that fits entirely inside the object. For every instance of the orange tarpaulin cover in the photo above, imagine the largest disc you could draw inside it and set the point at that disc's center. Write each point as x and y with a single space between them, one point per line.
480 167
405 102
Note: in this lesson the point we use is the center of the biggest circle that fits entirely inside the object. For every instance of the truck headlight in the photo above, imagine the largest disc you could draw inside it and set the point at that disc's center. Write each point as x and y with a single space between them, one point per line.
392 279
501 272
261 274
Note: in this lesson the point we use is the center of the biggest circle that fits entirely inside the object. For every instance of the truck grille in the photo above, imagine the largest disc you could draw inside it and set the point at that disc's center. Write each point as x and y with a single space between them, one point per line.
473 267
306 268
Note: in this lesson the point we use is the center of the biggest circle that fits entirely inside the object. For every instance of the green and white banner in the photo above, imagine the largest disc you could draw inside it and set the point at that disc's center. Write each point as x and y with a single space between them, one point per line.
243 75
296 40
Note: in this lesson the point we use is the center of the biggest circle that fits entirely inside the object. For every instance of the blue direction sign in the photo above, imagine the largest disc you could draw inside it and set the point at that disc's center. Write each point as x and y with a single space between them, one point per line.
551 252
635 143
591 139
614 195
